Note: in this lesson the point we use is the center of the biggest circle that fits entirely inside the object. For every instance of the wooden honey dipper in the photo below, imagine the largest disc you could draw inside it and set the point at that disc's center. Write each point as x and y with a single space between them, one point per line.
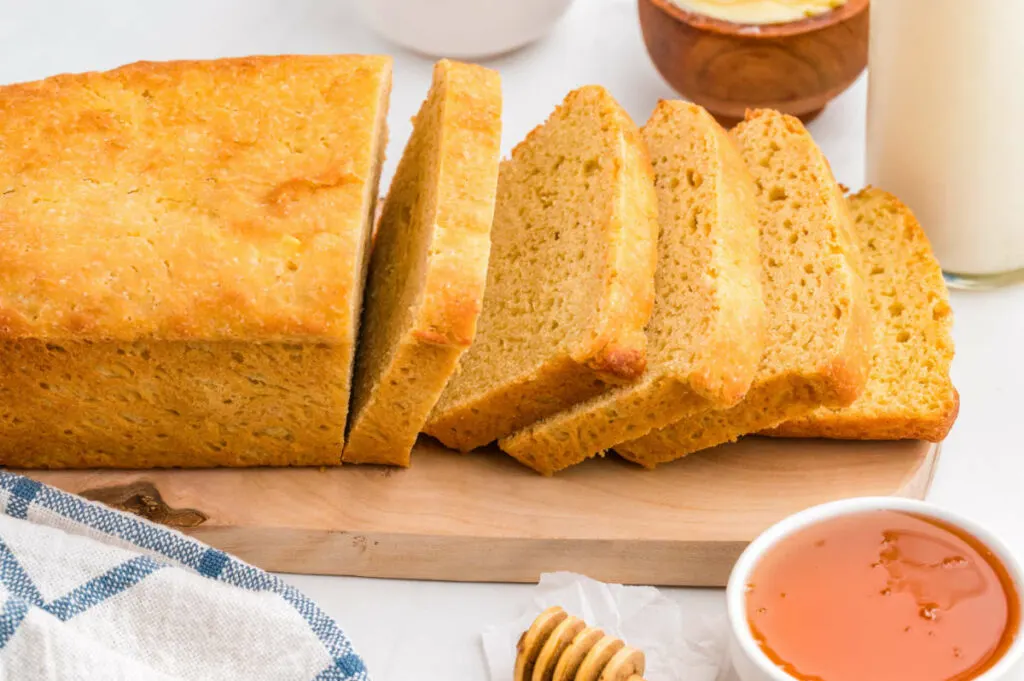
560 647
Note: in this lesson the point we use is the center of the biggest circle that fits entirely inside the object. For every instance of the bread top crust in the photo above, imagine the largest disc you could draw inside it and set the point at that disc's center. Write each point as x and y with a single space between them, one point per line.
618 349
186 200
725 363
467 176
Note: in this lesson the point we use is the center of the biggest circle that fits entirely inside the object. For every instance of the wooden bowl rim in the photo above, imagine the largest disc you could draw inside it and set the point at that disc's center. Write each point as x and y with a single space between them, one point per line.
703 22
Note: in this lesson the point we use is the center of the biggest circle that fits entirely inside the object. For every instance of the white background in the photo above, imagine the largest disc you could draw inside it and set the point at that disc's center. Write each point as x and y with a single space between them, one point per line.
430 631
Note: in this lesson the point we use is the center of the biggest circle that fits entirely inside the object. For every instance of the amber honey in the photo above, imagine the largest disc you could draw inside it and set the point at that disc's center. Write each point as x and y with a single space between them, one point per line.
882 596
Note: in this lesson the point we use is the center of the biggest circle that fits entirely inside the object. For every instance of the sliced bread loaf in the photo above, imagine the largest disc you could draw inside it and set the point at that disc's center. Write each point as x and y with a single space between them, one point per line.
817 348
706 333
429 263
570 284
908 393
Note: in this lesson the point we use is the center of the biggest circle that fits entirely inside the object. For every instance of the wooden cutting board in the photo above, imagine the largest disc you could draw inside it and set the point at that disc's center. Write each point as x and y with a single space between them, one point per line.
483 517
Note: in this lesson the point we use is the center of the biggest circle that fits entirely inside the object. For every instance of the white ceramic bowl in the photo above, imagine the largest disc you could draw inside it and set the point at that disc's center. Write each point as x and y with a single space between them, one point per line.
749 660
462 29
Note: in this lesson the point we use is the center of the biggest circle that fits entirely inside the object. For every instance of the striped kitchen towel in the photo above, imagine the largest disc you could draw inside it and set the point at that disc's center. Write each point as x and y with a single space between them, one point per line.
88 592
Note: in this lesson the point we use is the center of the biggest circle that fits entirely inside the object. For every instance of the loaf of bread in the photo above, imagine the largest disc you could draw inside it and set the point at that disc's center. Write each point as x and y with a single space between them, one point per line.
429 264
908 394
182 250
570 283
706 333
818 344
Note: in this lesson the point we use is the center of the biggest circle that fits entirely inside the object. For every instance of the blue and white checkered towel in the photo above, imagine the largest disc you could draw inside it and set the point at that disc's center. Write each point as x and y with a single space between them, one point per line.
87 592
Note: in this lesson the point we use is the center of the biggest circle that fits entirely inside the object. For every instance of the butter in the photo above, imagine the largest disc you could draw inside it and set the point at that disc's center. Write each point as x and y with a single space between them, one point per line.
759 11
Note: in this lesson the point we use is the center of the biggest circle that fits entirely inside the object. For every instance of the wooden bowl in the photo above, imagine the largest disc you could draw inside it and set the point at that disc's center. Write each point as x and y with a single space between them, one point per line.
795 67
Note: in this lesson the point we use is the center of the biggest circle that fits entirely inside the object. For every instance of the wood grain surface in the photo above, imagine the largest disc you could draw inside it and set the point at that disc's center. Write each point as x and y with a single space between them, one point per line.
795 67
483 517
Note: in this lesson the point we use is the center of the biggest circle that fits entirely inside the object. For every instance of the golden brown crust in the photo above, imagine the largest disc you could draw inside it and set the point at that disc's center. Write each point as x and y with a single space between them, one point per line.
618 353
161 404
188 200
454 288
461 179
182 251
506 409
603 422
932 427
742 322
617 364
848 372
779 399
384 430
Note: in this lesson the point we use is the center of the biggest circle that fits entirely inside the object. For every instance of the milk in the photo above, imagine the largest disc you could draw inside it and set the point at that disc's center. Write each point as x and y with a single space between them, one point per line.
946 127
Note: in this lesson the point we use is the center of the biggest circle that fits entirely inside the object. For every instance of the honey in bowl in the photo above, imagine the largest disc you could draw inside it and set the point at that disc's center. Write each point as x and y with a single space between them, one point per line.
882 596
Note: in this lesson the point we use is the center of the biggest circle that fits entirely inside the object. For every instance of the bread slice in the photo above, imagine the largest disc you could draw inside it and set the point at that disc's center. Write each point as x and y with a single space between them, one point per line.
908 393
706 333
429 263
182 251
817 348
570 284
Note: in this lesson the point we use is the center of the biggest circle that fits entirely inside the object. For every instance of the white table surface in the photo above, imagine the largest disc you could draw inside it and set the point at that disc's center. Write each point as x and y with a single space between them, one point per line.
430 631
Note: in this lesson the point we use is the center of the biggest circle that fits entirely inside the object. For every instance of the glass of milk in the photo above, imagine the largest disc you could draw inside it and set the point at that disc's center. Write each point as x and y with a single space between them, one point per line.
946 128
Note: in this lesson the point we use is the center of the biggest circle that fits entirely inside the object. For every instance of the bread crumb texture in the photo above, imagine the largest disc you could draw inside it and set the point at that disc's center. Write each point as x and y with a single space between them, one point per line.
909 394
818 343
706 333
182 247
570 284
429 264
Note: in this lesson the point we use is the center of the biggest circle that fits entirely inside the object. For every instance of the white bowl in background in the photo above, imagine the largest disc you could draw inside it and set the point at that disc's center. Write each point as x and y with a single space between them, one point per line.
751 663
462 29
